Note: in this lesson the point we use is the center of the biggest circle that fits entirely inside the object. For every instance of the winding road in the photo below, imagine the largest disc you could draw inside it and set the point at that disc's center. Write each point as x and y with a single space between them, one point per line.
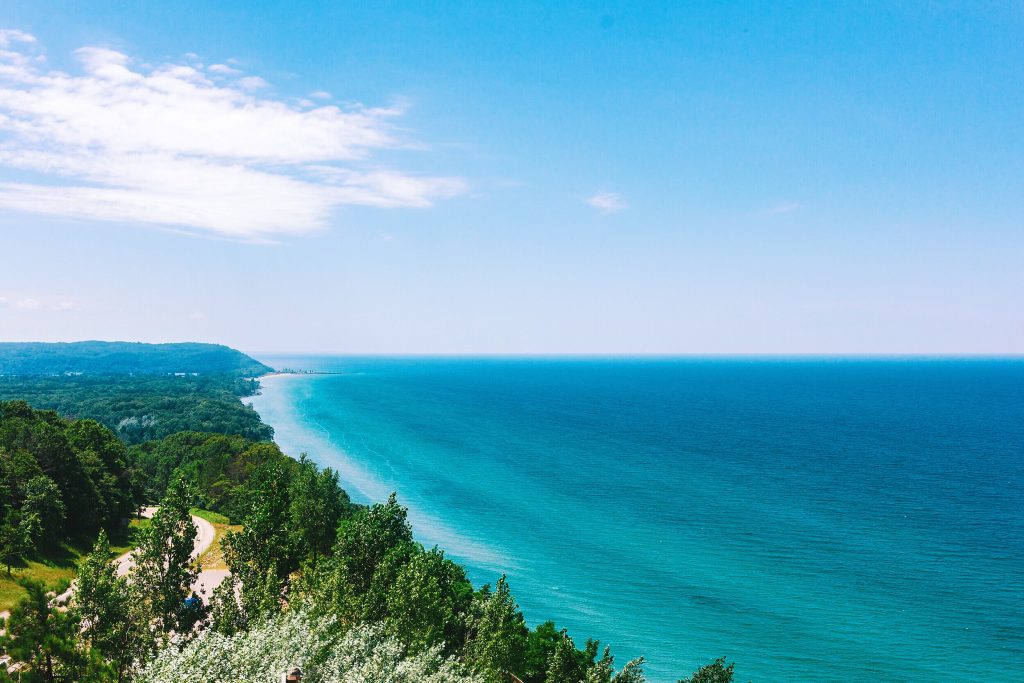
204 583
204 539
203 586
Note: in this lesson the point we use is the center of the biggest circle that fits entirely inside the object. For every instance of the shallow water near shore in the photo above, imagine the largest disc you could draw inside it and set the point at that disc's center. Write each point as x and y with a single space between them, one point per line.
810 519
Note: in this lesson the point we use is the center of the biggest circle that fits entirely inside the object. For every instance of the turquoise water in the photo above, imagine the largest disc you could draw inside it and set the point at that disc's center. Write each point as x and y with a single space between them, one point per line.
811 520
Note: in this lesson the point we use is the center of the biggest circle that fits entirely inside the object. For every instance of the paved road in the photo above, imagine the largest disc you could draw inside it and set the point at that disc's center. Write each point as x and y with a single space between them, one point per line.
204 539
204 584
208 579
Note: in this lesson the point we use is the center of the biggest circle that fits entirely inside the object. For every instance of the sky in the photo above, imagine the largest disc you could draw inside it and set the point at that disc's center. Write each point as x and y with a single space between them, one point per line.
515 177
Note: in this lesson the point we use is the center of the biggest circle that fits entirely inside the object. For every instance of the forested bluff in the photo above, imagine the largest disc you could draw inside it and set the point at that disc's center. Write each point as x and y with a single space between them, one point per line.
91 432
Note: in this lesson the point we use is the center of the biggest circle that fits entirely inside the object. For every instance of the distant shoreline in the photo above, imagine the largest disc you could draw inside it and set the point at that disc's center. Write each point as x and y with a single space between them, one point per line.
277 373
281 373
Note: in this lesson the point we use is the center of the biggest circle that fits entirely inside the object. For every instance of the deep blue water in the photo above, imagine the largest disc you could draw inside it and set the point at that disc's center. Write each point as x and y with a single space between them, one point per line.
825 520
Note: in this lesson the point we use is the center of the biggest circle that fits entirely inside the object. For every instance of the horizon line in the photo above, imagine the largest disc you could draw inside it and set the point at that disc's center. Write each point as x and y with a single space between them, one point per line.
645 355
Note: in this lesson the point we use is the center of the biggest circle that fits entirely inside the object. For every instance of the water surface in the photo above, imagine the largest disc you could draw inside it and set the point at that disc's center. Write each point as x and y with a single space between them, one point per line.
810 519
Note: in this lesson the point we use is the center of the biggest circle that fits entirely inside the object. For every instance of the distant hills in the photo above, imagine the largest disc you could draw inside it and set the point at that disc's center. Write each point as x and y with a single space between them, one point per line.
125 358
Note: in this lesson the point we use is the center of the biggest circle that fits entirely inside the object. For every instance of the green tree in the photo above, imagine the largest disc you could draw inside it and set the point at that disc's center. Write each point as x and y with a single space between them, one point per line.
46 639
111 624
352 584
603 670
103 458
226 615
540 645
498 634
564 665
715 672
316 504
260 555
13 543
366 538
44 506
42 433
164 571
425 597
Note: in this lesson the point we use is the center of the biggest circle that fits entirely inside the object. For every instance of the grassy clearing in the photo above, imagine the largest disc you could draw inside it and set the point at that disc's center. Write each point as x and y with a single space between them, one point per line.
56 565
50 570
213 558
210 516
119 546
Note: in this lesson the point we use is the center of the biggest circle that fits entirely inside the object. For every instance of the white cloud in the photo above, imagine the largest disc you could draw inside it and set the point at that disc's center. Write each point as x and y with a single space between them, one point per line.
169 146
252 83
32 303
223 69
13 35
608 202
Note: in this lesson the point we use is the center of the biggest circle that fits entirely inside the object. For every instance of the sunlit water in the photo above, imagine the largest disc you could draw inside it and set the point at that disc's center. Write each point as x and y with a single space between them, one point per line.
811 520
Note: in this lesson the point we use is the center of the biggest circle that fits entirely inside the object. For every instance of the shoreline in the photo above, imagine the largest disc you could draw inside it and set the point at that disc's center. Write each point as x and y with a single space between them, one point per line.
364 485
278 373
541 594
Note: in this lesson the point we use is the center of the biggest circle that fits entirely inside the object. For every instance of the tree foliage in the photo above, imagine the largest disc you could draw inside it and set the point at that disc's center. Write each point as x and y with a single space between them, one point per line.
59 480
715 672
143 408
163 574
498 634
46 638
218 466
112 618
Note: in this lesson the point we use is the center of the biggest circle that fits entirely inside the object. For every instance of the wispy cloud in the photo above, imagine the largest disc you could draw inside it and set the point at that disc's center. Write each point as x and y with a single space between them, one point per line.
9 36
32 303
608 202
187 146
252 83
223 69
783 207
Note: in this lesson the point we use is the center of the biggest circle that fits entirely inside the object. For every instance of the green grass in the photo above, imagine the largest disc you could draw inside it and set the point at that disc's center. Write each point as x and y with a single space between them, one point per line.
56 565
128 541
213 558
210 516
50 571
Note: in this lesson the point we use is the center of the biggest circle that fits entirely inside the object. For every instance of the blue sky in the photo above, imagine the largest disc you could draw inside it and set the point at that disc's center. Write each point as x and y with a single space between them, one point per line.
515 177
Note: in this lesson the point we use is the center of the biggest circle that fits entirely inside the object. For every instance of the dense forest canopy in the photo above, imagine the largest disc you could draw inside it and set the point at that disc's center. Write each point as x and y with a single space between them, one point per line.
140 391
142 408
125 358
60 480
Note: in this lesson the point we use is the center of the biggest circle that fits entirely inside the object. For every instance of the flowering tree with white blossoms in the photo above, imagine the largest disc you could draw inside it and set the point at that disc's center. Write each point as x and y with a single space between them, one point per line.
365 654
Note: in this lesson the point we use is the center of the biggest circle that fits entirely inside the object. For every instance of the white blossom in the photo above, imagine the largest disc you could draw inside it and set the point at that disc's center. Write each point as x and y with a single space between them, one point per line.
362 655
